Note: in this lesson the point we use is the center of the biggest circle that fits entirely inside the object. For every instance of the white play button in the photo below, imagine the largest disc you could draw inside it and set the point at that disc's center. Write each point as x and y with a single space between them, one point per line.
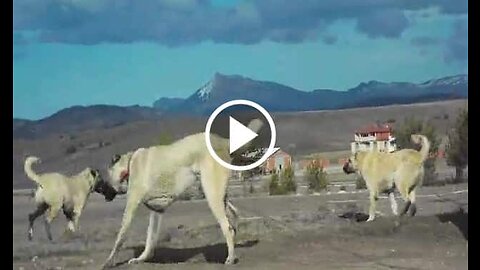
239 135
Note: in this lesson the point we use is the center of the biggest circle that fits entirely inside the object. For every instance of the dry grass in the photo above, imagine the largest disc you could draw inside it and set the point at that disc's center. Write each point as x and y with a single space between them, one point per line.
300 134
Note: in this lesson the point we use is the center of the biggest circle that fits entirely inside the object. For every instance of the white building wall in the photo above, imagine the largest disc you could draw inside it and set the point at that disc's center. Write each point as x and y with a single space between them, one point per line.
369 143
353 147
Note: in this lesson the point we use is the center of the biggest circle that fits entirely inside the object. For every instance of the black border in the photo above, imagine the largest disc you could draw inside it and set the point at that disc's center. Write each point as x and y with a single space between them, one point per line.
7 106
7 113
473 97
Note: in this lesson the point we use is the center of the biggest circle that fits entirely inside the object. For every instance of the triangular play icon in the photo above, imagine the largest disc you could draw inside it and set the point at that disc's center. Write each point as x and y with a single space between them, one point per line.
239 134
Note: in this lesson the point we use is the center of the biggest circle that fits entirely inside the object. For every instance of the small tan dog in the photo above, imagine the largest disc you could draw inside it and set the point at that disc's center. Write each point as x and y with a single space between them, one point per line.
383 172
157 175
56 191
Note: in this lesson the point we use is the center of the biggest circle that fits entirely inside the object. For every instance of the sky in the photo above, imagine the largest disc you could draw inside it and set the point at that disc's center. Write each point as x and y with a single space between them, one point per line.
128 52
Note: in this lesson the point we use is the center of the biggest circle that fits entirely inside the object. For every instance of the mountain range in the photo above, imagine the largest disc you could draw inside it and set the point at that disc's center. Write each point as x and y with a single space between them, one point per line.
272 96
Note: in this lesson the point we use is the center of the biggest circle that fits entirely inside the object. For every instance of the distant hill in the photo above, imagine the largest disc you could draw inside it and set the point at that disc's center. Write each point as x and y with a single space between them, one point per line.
280 98
221 88
79 118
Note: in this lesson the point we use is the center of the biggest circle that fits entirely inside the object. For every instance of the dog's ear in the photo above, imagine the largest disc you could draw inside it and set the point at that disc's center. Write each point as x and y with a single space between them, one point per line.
115 159
94 173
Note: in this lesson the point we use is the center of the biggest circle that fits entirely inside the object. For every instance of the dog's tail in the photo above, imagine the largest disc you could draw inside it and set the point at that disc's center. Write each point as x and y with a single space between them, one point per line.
255 125
423 140
28 169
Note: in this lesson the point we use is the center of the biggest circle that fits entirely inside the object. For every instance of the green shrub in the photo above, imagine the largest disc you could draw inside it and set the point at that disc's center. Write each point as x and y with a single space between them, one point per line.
287 180
283 184
457 146
416 126
274 187
316 177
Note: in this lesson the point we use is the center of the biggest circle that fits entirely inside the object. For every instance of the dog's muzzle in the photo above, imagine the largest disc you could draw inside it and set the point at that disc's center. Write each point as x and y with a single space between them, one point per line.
347 168
106 190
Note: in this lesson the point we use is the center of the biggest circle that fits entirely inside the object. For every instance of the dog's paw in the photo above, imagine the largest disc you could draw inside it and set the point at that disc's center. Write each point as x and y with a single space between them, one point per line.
67 235
107 265
231 260
30 234
136 260
370 219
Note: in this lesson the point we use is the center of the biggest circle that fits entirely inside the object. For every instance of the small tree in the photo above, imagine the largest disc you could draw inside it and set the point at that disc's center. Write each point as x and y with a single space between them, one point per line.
283 183
165 138
457 146
274 187
316 177
287 180
413 126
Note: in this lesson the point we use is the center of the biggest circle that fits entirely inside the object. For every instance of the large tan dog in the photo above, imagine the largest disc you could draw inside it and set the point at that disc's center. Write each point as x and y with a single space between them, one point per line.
383 172
69 193
157 175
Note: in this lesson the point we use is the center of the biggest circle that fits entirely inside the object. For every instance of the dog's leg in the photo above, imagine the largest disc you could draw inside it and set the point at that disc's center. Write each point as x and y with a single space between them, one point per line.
77 212
373 202
51 215
413 207
132 204
214 183
41 208
405 191
406 207
393 203
70 215
232 215
152 238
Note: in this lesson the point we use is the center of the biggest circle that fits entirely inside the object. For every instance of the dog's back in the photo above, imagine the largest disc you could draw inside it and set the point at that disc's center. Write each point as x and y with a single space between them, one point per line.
413 156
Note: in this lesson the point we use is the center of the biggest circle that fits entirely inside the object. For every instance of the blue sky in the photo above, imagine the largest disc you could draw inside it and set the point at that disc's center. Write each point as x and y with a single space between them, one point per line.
126 52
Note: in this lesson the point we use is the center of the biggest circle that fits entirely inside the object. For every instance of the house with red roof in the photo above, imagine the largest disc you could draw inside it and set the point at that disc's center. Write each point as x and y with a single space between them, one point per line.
277 162
374 137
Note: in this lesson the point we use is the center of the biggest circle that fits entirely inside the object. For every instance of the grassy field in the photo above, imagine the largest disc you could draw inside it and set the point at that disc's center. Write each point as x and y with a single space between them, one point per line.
332 155
299 134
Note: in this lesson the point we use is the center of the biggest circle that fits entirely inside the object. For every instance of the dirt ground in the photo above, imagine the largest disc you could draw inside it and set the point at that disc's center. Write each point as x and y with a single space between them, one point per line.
281 232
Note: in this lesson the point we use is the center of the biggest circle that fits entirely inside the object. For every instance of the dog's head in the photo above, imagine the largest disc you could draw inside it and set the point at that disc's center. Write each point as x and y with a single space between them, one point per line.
351 166
101 186
118 172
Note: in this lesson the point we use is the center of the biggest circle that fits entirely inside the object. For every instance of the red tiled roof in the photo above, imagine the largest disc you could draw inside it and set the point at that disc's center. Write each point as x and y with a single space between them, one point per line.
374 128
279 152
